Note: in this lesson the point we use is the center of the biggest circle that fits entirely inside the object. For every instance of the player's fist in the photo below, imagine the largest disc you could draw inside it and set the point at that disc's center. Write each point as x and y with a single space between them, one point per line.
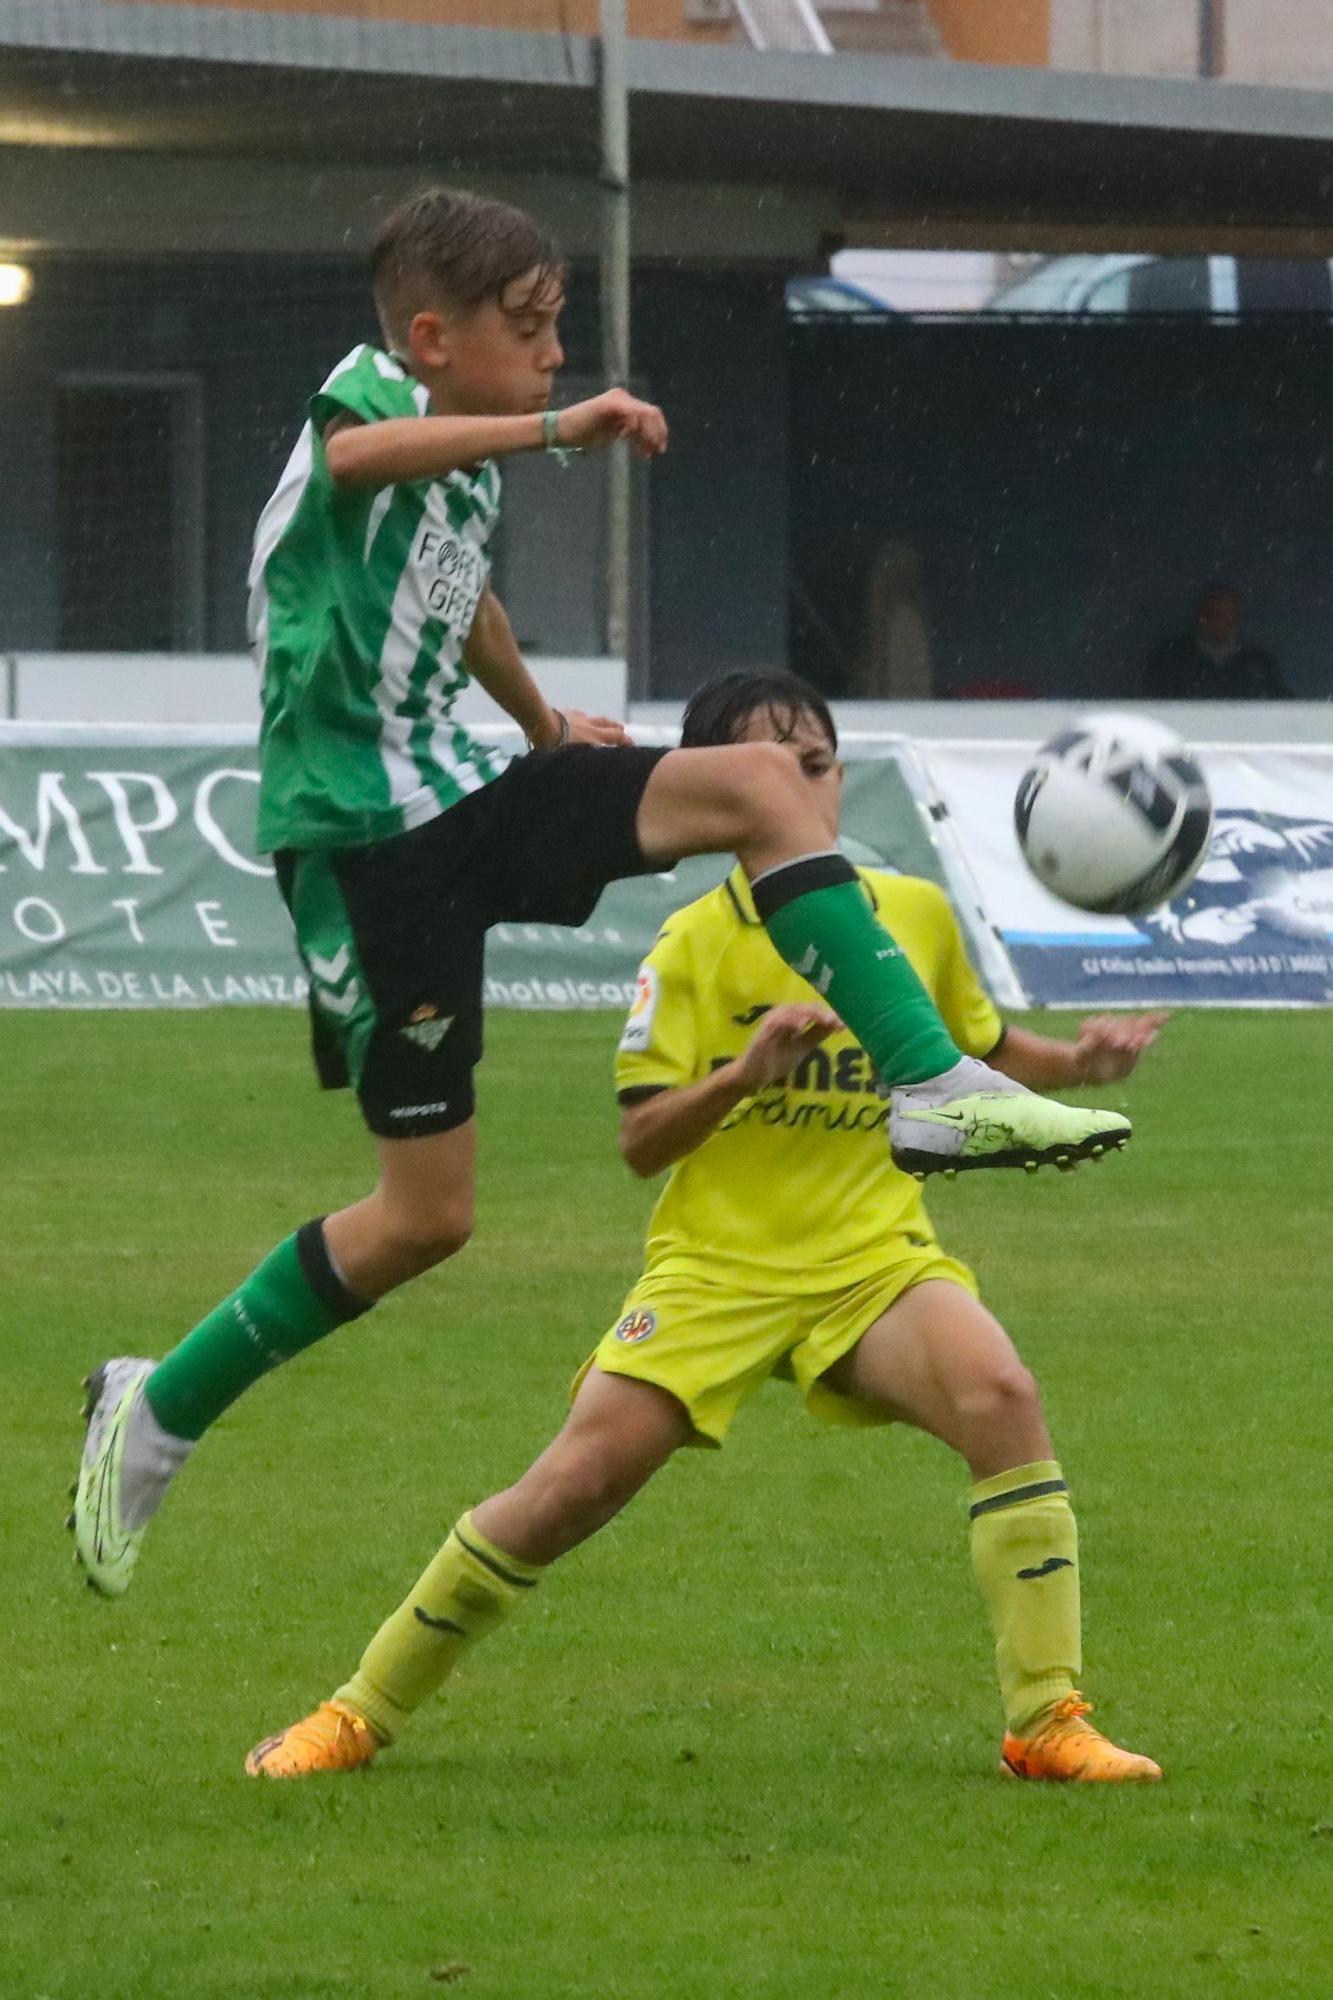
608 418
783 1039
1109 1045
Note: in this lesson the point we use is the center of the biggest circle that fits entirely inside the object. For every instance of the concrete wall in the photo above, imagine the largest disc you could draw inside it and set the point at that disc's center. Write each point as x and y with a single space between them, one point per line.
1265 41
1269 41
659 19
208 689
1299 722
1280 41
1136 37
126 204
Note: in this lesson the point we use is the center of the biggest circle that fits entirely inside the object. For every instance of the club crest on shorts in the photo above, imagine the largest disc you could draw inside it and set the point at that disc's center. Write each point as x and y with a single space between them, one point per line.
636 1326
427 1027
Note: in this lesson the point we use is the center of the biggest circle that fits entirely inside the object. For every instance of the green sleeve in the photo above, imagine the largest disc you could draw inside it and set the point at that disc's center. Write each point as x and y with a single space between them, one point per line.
370 386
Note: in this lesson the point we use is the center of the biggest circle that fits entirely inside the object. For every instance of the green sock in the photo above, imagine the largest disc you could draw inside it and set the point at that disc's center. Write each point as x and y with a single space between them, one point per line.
292 1300
465 1592
1025 1557
816 912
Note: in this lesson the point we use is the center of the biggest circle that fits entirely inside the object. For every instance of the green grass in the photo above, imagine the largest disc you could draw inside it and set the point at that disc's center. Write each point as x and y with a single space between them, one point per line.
744 1743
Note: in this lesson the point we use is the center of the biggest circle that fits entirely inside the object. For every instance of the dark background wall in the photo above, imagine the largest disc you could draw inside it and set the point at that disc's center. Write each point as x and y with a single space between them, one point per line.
1068 489
262 335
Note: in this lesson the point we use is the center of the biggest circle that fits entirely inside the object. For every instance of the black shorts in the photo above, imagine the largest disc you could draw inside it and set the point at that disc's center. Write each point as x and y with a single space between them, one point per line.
392 936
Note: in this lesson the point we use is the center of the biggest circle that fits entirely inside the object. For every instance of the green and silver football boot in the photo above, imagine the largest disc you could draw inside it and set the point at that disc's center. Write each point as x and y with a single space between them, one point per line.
127 1464
974 1117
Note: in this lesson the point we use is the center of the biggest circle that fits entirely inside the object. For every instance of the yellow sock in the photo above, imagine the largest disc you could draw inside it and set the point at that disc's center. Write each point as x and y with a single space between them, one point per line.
1025 1559
469 1589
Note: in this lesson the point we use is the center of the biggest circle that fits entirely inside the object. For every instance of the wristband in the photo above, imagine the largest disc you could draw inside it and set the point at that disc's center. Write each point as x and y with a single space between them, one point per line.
562 738
551 430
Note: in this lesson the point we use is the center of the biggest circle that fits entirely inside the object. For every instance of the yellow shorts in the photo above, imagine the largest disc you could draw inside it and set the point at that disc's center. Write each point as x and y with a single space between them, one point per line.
710 1345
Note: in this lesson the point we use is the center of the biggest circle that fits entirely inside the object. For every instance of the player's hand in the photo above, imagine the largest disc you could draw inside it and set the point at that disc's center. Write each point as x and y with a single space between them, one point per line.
1109 1045
601 729
608 418
783 1039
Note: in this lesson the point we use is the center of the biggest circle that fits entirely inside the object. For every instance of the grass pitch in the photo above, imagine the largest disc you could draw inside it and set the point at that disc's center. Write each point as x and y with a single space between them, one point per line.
744 1743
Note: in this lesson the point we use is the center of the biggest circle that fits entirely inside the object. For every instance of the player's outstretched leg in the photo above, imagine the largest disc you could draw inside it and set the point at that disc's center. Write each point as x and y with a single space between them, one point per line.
939 1360
469 1589
145 1417
1025 1557
951 1113
1060 1745
617 1435
128 1462
334 1738
973 1116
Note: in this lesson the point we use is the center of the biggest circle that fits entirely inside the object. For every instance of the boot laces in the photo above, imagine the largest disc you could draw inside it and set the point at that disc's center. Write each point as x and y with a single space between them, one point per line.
1070 1709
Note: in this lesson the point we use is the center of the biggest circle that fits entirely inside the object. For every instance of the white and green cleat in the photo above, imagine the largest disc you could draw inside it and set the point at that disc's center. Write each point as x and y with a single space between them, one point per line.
107 1535
974 1117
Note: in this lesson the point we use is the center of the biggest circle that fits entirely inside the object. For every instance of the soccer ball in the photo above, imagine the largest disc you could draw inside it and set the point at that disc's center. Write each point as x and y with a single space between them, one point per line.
1113 815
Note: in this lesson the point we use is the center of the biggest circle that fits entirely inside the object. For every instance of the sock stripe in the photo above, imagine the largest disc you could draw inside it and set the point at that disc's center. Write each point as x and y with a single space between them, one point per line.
318 1271
776 887
495 1568
1018 1494
437 1624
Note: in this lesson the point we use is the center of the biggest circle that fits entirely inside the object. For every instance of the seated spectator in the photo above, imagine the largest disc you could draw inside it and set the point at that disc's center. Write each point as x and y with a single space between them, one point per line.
1214 661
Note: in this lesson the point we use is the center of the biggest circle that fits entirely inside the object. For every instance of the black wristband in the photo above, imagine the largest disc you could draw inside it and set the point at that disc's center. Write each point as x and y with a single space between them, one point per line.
562 738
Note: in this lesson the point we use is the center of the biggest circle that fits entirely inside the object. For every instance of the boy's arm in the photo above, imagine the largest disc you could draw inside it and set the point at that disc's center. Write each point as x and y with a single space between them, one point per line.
662 1128
493 659
1107 1049
395 451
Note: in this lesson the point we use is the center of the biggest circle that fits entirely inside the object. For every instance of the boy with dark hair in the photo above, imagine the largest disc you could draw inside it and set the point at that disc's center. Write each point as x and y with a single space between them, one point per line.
785 1242
399 838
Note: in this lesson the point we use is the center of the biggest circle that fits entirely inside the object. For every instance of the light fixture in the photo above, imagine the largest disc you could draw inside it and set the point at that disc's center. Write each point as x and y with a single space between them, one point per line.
15 284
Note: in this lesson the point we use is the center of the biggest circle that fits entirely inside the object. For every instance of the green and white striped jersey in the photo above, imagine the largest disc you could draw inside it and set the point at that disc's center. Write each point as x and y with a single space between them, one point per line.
360 602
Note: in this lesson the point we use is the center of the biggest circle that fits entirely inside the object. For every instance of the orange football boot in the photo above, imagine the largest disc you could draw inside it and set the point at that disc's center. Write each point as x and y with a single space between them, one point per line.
1064 1747
334 1738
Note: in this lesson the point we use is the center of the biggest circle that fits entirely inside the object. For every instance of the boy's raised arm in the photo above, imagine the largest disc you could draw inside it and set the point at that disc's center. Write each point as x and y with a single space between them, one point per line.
1106 1050
662 1128
398 450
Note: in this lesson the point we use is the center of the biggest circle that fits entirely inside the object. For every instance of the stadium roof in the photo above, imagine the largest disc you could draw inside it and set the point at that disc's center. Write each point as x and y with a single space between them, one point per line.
874 137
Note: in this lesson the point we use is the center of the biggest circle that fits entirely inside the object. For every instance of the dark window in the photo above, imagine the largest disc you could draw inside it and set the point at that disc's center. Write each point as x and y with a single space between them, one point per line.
1170 284
1283 284
127 528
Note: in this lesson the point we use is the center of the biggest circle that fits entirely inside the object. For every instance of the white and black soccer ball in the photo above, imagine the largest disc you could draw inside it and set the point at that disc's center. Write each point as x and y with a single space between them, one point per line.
1114 815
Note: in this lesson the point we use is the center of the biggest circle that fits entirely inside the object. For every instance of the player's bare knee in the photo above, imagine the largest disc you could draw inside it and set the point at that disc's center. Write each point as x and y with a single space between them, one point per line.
768 783
1001 1397
595 1477
762 789
425 1238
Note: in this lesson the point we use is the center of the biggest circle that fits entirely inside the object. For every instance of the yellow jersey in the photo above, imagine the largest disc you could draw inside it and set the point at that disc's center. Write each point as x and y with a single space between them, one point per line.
796 1190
